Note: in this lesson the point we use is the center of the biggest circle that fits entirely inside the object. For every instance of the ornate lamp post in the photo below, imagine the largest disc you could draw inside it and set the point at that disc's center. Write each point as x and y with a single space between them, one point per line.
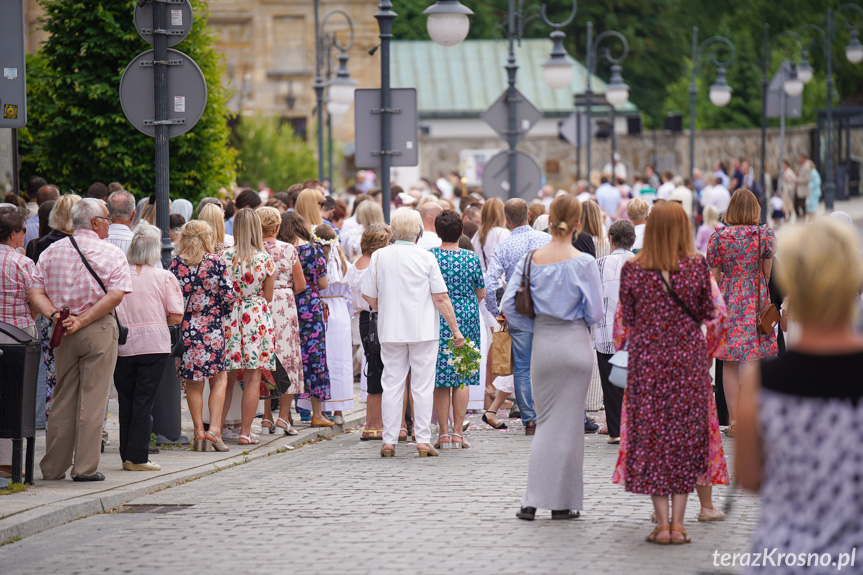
341 89
720 91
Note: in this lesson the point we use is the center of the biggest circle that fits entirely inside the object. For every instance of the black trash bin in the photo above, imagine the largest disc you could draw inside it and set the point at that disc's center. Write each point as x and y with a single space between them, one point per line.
19 369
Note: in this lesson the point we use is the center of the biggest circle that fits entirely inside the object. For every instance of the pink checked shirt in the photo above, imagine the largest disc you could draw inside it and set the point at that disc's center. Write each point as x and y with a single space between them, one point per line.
16 273
61 273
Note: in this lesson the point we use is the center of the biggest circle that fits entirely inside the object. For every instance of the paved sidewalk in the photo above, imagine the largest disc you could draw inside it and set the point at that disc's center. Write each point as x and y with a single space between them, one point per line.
338 507
49 504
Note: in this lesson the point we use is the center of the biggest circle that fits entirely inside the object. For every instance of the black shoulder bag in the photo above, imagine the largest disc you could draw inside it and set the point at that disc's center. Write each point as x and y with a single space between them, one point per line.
123 331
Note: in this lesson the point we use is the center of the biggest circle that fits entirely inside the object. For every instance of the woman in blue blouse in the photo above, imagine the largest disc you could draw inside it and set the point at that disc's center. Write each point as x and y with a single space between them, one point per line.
567 300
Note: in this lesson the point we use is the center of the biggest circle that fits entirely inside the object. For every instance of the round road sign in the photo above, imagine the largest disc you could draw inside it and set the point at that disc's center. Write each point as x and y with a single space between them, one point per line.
187 93
495 177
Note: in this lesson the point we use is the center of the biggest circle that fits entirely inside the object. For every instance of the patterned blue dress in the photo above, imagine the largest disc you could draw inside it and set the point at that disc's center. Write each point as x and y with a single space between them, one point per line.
463 276
313 329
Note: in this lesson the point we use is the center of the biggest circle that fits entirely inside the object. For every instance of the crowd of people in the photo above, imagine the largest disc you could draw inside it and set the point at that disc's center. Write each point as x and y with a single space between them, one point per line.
294 297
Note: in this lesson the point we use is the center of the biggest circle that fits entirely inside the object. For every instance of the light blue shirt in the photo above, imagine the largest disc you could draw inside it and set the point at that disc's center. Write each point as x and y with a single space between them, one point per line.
229 226
608 197
569 290
507 254
32 227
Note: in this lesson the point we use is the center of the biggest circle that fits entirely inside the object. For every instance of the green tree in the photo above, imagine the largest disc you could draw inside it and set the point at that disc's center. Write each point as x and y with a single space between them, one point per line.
77 133
270 151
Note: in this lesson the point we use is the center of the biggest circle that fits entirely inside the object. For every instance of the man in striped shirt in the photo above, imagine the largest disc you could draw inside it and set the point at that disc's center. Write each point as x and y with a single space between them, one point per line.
121 209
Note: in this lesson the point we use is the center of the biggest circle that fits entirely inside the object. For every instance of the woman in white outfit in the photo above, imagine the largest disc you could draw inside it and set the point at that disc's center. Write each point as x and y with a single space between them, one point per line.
406 287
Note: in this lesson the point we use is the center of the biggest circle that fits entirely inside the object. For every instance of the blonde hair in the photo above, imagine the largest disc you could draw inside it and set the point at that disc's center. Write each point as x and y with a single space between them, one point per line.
564 215
326 233
308 206
271 219
375 237
406 224
666 238
148 214
535 209
369 213
196 241
591 220
61 214
821 272
711 216
492 216
248 237
213 215
637 209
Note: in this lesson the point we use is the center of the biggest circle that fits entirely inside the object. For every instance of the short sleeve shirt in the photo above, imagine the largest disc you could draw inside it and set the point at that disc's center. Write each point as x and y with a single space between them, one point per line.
403 278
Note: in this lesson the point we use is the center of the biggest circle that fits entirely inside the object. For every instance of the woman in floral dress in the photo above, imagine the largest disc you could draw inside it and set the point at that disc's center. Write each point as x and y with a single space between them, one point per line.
733 257
316 379
466 288
208 298
289 281
665 296
249 328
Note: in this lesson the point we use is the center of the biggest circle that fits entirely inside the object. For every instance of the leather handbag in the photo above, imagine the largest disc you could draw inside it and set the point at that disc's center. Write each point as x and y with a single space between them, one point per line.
523 299
122 331
768 315
619 368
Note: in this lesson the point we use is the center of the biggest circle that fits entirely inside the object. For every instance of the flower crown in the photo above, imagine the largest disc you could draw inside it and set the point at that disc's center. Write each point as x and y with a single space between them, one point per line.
321 241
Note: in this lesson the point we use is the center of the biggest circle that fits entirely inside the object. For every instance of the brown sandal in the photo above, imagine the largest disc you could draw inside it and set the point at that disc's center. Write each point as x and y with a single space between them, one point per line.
682 531
652 538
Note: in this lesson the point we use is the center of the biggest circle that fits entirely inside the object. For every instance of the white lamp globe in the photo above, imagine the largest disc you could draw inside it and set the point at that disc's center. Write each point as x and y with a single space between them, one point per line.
557 76
720 95
337 109
342 92
854 52
793 86
617 95
448 29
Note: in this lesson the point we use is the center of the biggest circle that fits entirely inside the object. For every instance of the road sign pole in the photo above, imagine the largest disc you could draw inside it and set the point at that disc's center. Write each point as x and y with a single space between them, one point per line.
160 74
589 92
512 100
385 19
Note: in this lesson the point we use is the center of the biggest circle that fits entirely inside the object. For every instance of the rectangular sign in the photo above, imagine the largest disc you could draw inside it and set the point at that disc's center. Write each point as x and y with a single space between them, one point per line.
13 85
405 127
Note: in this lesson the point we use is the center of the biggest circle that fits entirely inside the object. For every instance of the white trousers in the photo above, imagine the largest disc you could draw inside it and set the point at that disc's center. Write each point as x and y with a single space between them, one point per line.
419 359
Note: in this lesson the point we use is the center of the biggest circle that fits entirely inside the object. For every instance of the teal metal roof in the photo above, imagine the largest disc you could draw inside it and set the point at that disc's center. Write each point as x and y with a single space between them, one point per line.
464 80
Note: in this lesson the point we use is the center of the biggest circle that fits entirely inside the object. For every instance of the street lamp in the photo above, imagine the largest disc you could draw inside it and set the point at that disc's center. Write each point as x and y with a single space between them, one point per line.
793 85
557 71
616 92
720 91
854 54
443 11
341 89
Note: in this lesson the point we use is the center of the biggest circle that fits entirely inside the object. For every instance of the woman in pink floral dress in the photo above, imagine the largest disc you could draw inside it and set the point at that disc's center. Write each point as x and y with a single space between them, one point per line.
249 328
735 261
289 280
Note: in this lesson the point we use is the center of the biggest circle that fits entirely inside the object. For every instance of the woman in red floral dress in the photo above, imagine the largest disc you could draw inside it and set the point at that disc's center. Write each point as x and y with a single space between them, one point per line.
664 298
733 257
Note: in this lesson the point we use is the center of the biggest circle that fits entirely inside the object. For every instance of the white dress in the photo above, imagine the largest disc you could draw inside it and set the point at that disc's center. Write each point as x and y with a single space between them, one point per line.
354 277
337 296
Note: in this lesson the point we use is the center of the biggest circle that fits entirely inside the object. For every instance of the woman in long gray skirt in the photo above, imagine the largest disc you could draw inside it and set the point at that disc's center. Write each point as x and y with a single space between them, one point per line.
567 300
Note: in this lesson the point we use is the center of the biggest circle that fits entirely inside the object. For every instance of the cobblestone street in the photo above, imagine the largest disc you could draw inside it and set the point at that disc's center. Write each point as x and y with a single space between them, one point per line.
337 507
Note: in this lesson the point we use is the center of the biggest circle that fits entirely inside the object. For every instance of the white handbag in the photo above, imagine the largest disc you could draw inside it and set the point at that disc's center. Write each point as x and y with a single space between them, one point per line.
619 363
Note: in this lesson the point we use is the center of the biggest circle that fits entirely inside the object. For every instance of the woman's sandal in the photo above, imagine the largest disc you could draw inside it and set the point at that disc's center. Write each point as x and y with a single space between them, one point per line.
403 435
682 531
271 428
654 535
250 439
500 424
372 435
461 444
216 442
201 443
441 444
288 429
388 451
430 452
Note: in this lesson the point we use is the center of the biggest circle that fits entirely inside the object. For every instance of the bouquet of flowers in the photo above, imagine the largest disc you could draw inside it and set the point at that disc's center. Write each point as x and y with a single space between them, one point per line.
466 359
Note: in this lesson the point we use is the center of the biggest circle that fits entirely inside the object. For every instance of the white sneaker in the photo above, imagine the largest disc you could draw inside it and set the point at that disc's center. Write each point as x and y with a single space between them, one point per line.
149 466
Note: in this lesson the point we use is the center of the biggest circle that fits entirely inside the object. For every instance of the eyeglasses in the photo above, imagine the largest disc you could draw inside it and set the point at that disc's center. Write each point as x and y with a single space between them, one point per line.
109 220
22 231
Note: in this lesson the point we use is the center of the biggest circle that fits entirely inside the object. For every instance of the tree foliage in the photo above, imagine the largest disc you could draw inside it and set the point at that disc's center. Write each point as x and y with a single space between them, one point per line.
269 151
77 133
